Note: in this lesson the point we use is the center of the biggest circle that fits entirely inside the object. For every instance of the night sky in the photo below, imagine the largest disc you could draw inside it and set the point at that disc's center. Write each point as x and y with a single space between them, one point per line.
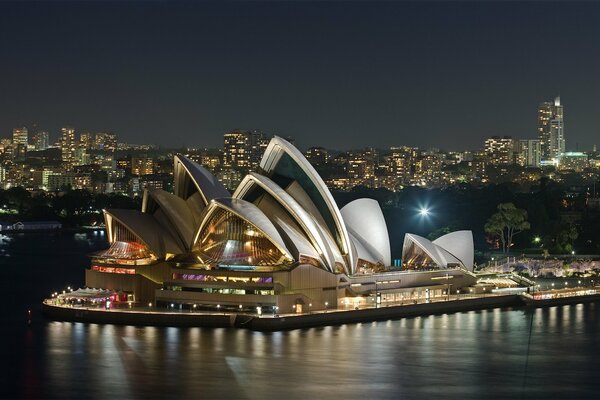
340 75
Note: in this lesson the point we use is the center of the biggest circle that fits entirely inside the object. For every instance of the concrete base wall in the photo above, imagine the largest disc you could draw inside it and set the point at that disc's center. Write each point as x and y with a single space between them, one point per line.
250 321
142 287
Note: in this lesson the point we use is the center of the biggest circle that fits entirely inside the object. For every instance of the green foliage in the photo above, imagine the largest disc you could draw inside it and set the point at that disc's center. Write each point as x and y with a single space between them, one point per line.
439 232
73 208
506 223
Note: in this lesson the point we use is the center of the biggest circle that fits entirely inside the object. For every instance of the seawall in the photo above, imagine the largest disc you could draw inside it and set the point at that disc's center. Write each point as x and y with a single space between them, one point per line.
269 323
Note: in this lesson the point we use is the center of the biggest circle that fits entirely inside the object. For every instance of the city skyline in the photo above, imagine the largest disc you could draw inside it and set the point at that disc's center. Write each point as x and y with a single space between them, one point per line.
550 129
399 73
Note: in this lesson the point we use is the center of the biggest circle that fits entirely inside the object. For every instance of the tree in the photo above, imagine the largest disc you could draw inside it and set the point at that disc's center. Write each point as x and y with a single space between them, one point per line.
439 232
506 223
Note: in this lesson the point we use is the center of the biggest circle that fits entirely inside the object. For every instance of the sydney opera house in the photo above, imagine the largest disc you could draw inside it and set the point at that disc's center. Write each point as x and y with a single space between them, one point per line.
279 242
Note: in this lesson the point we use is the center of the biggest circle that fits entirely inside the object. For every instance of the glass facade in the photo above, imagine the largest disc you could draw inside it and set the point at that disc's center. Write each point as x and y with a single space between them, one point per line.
230 240
414 257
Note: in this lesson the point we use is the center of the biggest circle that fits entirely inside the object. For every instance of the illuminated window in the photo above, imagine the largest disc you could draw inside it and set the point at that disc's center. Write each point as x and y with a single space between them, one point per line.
230 240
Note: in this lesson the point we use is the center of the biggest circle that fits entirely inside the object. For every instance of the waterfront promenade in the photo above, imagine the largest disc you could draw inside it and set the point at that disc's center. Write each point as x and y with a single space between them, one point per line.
153 316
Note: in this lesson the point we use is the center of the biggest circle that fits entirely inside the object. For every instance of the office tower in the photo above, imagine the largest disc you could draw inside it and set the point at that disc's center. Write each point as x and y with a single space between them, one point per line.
41 140
529 152
20 136
499 150
551 129
68 145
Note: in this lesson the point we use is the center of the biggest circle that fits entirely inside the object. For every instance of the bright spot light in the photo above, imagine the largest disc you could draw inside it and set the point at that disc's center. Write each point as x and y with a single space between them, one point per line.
424 211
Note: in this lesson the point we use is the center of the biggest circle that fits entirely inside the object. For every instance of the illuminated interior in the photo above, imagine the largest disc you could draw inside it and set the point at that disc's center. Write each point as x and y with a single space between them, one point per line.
230 240
414 257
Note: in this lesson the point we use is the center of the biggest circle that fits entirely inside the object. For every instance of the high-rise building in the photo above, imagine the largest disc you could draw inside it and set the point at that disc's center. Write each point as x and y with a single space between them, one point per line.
41 140
500 150
529 152
243 149
236 149
106 141
86 141
20 136
401 163
68 145
551 131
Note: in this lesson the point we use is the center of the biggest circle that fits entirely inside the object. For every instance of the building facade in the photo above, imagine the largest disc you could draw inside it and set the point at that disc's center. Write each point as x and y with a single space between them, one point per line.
551 131
279 242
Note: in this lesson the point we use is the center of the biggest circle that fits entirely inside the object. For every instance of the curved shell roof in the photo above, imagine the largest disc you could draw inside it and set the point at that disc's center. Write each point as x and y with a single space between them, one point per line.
364 220
460 245
248 212
180 216
146 228
437 253
310 226
206 183
291 208
295 167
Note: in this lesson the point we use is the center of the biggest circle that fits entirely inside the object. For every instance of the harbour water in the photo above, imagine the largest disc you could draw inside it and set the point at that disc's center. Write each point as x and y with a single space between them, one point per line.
507 354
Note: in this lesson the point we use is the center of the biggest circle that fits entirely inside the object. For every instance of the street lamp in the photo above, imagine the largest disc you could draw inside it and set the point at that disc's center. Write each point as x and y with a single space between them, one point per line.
424 211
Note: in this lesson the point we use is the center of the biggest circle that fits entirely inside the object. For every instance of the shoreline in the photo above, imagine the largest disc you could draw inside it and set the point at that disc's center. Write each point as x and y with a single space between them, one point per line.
292 321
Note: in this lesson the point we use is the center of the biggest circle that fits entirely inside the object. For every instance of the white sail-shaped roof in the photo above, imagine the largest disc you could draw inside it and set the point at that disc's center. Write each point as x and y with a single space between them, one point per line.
188 173
315 233
438 255
460 245
284 164
172 212
364 220
145 227
248 212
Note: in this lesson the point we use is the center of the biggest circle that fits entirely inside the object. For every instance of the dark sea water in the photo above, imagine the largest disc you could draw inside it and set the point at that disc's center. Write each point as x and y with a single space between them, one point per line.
508 354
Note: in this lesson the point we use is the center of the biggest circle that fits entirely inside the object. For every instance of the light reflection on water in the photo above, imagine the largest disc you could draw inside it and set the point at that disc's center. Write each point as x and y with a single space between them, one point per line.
491 354
505 354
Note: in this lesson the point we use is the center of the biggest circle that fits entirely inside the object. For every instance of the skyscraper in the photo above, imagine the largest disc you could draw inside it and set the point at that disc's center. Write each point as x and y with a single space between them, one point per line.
68 145
551 129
